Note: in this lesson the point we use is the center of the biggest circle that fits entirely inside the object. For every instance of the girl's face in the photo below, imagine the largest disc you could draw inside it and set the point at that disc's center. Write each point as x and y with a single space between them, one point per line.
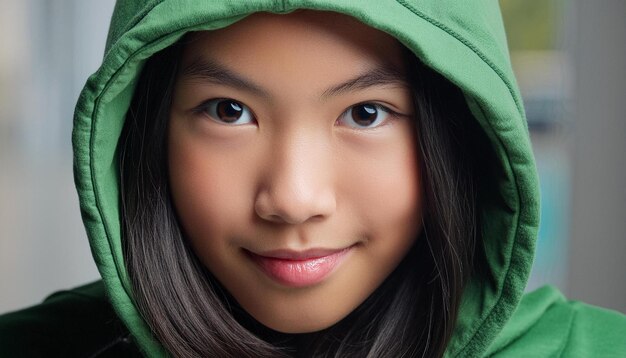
293 163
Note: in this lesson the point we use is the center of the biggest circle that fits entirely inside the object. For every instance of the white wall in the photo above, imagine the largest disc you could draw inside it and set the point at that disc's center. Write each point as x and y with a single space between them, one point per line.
49 50
597 271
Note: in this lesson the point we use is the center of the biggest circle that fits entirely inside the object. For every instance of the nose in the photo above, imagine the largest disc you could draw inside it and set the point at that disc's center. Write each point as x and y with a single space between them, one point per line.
298 183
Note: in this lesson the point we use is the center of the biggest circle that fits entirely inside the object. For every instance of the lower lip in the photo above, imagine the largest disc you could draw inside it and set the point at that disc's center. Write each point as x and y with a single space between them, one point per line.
299 273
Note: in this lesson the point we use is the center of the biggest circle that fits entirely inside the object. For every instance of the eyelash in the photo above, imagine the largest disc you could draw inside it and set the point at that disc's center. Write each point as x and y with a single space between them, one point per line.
381 108
207 105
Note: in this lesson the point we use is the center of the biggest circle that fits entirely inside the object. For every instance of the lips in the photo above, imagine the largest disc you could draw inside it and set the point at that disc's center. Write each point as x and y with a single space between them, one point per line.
299 269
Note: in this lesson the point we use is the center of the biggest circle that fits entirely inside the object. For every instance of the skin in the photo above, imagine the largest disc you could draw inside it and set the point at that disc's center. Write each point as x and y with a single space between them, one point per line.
300 174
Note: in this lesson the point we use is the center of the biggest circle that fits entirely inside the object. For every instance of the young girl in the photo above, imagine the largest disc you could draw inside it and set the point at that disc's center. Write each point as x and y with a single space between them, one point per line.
308 179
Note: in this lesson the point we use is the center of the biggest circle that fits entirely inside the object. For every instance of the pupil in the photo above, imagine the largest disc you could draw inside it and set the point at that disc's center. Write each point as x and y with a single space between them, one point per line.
229 111
364 114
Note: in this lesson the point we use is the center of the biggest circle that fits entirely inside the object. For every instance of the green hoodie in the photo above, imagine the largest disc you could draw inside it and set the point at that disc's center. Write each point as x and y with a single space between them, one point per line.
462 40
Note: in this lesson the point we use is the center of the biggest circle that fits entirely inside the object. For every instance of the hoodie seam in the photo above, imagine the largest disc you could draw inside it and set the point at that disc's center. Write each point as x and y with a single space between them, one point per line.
97 199
132 23
527 329
94 115
96 189
486 60
471 46
508 266
569 334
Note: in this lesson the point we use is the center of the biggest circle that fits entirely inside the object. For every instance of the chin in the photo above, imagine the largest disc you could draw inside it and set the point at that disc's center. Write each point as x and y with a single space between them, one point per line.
298 321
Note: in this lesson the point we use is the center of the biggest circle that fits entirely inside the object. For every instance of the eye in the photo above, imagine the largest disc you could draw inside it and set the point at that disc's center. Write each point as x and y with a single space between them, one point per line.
227 111
365 115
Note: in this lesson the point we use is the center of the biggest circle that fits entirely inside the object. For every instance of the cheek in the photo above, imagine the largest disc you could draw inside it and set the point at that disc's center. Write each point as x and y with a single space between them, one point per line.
385 187
385 194
209 201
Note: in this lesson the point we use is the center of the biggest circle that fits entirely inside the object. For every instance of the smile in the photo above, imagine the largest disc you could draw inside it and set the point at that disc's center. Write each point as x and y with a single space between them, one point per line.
299 269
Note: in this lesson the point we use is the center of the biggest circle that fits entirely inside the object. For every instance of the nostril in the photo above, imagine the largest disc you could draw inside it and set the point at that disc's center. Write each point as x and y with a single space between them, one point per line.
275 218
293 196
290 210
267 209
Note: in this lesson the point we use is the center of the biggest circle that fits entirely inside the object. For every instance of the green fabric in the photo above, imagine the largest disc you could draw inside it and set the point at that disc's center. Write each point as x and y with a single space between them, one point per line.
545 324
464 41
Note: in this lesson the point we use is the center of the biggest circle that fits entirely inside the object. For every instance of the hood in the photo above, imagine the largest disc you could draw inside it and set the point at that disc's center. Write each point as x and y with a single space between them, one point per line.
462 40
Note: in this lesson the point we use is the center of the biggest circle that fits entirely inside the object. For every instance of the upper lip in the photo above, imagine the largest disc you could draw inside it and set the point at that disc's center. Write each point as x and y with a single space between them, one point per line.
295 255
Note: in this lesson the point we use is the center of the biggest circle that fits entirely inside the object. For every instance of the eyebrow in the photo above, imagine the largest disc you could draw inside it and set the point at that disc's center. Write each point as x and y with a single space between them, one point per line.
379 76
209 70
205 69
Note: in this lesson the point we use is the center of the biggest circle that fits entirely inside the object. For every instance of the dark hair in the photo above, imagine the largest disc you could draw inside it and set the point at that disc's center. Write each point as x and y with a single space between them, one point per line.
192 315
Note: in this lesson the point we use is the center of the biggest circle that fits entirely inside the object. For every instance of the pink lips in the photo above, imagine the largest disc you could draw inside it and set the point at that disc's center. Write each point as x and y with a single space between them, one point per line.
299 269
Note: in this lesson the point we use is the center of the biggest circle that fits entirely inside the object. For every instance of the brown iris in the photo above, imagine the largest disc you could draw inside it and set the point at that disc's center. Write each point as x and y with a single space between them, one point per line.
364 114
229 111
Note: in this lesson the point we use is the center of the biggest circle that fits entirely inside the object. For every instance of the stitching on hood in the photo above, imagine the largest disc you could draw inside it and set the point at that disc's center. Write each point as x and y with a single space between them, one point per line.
570 324
94 115
520 111
471 47
488 316
150 4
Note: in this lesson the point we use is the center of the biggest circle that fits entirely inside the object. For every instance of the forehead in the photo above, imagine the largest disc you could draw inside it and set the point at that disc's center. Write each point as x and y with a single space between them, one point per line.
302 40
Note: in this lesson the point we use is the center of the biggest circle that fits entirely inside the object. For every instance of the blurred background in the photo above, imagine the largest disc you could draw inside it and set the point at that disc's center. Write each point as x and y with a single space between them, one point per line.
570 60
